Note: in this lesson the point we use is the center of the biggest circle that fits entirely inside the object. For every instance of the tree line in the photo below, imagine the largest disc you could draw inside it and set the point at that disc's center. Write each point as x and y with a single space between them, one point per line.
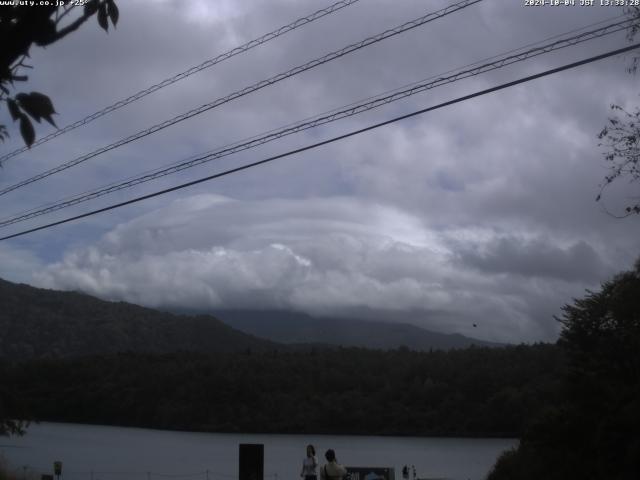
472 392
592 432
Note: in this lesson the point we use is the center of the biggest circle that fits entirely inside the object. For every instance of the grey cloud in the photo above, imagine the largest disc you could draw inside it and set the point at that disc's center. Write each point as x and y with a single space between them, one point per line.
537 258
328 263
18 264
322 256
422 216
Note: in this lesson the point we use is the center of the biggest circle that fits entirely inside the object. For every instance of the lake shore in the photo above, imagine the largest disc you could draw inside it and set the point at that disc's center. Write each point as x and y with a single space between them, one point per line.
147 454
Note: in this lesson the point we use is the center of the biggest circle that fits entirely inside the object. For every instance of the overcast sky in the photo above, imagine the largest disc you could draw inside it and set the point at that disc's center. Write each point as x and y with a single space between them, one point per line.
482 212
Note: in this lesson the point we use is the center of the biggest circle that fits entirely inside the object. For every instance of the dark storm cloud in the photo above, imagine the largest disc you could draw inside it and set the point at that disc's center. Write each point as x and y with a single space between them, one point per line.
537 258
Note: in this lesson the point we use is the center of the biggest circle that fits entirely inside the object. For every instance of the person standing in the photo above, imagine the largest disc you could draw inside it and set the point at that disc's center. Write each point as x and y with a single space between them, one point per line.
332 470
310 464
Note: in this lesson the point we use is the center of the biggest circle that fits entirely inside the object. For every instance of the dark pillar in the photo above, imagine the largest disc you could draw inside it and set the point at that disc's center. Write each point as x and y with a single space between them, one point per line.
251 461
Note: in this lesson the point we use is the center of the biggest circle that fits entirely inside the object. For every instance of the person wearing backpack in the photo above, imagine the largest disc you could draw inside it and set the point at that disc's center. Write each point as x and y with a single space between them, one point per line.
332 470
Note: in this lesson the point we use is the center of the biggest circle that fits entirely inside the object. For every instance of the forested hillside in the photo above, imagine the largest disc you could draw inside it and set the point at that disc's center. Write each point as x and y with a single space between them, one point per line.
294 327
39 323
36 322
473 392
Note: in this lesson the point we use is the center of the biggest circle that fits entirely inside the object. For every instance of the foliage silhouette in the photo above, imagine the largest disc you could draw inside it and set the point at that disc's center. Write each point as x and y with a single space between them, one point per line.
593 432
21 27
472 392
621 135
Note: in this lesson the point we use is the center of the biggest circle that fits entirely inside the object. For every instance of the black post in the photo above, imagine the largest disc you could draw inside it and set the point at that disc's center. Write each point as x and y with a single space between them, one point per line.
251 461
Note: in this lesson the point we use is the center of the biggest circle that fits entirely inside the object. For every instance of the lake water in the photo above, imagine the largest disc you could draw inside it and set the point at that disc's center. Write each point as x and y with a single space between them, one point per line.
91 452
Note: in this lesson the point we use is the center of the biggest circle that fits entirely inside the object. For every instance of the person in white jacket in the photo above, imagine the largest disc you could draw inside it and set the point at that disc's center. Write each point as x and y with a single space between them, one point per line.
332 470
310 464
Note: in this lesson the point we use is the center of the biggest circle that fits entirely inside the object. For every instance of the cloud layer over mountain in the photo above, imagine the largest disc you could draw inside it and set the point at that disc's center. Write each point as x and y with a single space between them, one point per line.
482 212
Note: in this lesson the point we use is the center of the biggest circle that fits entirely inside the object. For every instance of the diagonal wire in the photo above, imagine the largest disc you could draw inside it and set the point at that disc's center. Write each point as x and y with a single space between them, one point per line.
164 83
247 90
333 116
330 140
345 112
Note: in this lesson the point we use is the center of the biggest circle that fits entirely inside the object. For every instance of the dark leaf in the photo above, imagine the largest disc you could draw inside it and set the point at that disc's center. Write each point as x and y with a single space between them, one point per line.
103 17
26 130
49 119
5 75
114 13
37 105
28 107
45 34
43 102
14 110
91 7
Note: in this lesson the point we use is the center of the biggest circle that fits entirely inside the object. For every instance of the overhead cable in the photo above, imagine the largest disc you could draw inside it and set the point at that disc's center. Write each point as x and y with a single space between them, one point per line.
180 76
247 90
328 141
345 112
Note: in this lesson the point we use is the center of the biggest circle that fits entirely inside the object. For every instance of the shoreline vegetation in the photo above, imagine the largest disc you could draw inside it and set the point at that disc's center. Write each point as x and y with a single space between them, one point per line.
344 434
592 432
476 392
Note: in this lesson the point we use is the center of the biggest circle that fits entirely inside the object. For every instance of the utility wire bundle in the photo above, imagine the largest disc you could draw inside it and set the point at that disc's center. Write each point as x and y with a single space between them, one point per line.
267 37
250 89
345 112
477 68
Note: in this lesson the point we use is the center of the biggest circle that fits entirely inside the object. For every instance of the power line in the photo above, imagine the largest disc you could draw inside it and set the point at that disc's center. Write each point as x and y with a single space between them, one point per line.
337 114
247 90
180 76
331 140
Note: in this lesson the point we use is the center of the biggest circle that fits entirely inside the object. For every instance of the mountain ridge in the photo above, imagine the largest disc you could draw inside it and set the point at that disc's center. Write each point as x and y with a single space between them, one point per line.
300 328
37 322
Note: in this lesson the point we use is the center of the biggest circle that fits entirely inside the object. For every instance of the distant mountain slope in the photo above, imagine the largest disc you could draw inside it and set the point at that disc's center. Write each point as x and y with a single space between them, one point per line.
36 322
296 328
